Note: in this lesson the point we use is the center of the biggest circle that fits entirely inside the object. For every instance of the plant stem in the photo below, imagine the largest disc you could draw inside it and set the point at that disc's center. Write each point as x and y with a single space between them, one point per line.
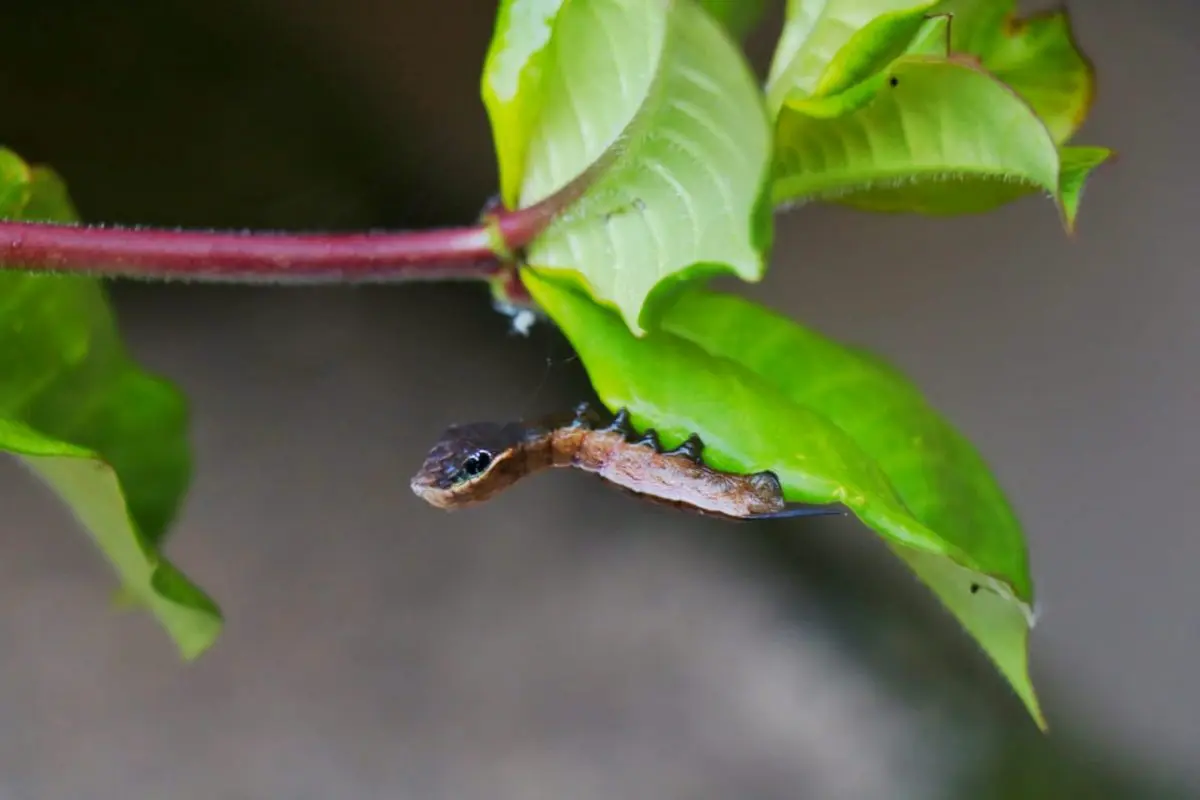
480 252
225 256
477 252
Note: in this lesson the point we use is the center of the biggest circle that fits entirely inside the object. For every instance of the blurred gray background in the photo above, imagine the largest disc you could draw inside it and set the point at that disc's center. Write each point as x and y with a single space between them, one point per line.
565 641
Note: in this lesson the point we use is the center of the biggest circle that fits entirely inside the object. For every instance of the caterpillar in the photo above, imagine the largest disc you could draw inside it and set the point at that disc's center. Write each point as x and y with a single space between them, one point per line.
472 463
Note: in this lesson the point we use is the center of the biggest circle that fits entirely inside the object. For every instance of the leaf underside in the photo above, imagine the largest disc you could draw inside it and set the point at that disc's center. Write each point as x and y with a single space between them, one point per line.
662 95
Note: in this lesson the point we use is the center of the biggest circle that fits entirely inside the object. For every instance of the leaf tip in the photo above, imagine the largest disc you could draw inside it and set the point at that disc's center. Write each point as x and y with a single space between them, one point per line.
1077 165
1033 706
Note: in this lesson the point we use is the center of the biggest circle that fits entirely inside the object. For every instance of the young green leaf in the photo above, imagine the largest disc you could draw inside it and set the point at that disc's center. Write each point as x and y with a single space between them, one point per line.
880 42
109 438
834 426
663 96
931 135
826 45
1036 55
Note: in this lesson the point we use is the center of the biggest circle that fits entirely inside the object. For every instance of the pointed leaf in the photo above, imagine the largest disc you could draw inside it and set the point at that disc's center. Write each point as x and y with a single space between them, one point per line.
1036 55
825 44
750 421
937 473
107 437
999 624
1078 163
663 91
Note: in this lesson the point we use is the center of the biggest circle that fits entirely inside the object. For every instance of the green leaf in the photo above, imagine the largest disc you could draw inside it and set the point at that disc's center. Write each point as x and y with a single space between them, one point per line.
880 42
1036 55
842 136
663 93
674 386
517 61
738 16
109 438
998 623
834 426
932 135
827 45
1077 163
937 473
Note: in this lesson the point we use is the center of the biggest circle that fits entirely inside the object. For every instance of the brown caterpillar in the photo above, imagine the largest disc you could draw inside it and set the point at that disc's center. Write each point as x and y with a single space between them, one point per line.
472 463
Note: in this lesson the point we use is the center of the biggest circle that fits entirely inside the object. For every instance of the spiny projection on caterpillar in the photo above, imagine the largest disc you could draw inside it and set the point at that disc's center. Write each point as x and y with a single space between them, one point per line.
474 462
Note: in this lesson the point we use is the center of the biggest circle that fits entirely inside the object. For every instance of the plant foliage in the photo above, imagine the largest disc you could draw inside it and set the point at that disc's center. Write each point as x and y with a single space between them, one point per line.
902 106
108 437
882 105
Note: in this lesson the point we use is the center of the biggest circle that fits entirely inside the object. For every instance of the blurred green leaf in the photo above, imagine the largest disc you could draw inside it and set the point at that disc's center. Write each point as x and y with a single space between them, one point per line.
109 438
661 95
834 426
1036 55
825 41
931 135
738 16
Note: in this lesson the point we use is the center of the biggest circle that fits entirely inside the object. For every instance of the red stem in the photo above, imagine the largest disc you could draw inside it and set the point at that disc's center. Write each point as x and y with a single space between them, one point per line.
476 252
220 256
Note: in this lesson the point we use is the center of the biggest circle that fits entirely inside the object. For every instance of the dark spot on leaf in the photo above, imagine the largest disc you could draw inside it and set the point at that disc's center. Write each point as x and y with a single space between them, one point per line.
894 81
974 588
